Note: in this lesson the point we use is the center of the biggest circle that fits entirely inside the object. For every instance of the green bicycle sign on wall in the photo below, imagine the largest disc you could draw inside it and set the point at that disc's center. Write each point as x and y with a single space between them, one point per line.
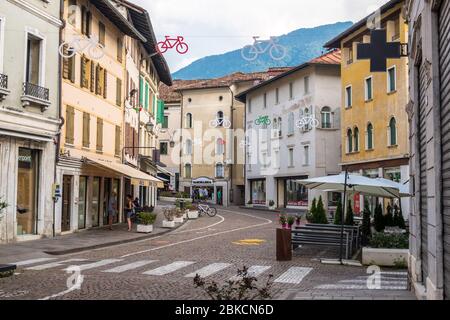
263 120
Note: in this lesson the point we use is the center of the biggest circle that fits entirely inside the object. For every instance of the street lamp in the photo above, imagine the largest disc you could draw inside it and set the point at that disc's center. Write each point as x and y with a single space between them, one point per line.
172 143
149 126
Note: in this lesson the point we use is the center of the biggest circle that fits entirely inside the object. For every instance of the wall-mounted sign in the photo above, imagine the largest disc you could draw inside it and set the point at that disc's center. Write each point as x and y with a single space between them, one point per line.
263 120
202 181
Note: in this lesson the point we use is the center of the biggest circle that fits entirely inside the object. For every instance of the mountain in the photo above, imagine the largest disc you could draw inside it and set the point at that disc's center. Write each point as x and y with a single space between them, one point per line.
301 46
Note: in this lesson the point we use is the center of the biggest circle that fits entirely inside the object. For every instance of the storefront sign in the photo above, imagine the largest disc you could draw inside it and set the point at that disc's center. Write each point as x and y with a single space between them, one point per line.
202 181
138 182
297 203
357 206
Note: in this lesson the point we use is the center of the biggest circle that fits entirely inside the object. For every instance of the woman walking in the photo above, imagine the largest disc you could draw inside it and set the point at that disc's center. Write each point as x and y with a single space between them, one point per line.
129 210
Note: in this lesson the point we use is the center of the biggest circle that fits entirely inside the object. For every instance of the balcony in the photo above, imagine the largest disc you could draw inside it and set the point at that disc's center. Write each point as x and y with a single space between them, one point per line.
3 86
35 95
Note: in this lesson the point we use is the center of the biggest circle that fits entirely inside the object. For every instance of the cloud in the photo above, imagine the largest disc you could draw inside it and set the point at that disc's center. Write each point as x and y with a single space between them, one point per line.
217 26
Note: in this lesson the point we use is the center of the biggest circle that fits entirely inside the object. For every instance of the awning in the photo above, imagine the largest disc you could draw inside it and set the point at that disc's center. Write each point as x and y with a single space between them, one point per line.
162 170
137 177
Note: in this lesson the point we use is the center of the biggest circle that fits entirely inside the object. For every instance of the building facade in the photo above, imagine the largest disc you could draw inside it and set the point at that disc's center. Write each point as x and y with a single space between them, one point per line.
300 136
29 116
429 112
374 124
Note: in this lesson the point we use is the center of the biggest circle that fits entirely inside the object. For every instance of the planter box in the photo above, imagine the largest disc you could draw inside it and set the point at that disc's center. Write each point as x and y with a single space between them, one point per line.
249 206
141 228
385 257
273 208
178 220
192 214
168 224
170 199
185 216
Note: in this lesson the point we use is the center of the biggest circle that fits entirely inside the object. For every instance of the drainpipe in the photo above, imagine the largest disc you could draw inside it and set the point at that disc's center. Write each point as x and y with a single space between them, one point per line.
230 192
181 139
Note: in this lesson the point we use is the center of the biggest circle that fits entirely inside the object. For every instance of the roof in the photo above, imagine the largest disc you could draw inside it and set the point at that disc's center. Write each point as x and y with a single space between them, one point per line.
336 42
172 94
331 58
111 12
141 19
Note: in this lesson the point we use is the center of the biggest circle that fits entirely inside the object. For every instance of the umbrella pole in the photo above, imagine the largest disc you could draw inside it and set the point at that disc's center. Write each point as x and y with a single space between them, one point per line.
341 249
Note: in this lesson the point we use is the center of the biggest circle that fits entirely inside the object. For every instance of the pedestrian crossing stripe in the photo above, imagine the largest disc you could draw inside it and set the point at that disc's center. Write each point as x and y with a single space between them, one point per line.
53 264
168 268
32 261
101 263
294 275
130 266
209 270
253 271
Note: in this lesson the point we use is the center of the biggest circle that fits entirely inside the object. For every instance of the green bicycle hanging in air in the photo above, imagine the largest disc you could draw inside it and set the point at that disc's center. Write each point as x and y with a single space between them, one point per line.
263 120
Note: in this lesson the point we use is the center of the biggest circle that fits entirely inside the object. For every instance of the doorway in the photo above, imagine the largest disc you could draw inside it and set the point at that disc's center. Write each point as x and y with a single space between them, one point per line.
219 196
106 195
82 201
67 203
95 204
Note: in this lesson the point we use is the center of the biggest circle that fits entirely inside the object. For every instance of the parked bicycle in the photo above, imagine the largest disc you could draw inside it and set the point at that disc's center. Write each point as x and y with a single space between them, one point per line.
177 43
81 43
251 52
220 123
204 208
308 121
263 120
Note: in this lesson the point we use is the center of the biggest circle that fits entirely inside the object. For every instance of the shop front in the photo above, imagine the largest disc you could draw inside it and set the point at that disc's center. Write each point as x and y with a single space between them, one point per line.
258 192
209 190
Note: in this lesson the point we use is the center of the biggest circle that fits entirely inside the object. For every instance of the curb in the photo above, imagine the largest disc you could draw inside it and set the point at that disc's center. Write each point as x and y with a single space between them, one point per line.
110 244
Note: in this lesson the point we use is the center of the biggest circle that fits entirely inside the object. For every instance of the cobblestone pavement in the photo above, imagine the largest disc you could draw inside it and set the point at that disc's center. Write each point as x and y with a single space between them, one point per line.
162 267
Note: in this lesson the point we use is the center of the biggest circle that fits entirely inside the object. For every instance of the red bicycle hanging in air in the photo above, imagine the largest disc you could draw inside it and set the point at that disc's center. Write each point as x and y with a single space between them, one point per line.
177 43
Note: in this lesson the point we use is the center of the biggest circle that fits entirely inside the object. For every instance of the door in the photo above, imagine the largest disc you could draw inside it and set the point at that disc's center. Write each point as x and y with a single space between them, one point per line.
67 203
95 202
106 195
444 47
116 193
82 200
219 196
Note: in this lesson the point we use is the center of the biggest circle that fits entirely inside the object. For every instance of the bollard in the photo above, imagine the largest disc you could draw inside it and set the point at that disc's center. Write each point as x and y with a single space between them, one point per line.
284 247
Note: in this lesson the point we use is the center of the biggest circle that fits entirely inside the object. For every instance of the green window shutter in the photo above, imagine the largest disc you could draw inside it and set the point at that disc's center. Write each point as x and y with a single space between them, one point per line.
146 96
160 112
141 92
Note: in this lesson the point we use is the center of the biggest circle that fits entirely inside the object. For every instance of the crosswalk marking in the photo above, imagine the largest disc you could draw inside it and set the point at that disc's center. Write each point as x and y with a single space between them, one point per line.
97 264
253 271
53 264
32 261
209 270
294 275
359 287
130 266
383 281
168 268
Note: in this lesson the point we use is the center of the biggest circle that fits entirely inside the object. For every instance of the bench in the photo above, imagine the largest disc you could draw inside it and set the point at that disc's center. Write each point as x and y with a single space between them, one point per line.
314 236
354 230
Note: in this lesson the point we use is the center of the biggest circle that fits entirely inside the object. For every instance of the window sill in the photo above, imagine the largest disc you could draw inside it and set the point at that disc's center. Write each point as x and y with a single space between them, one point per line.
393 146
370 150
85 148
389 93
99 151
28 100
368 100
348 107
290 135
352 153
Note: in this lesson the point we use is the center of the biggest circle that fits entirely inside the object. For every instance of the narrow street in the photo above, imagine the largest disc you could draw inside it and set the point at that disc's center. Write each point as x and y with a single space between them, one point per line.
163 267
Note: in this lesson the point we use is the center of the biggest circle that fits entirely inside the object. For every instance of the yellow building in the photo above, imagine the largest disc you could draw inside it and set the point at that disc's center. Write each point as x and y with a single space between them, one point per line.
374 121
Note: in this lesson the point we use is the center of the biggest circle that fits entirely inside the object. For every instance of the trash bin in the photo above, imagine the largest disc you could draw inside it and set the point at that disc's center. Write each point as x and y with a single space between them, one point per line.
284 247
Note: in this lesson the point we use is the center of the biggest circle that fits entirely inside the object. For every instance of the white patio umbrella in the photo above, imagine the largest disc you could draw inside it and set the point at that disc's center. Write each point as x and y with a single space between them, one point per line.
403 188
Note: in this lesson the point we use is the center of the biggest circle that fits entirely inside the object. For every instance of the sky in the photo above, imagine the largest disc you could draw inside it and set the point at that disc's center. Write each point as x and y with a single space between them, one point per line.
218 26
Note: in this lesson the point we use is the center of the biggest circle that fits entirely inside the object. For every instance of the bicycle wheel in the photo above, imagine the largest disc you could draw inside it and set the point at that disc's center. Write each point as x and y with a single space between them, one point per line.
227 124
314 123
182 48
277 52
97 52
249 53
66 51
258 122
211 212
213 123
162 47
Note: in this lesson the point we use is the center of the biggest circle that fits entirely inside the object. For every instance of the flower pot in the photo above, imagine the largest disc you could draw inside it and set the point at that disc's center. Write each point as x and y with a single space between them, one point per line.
289 226
178 220
168 224
193 215
283 225
185 215
142 228
250 205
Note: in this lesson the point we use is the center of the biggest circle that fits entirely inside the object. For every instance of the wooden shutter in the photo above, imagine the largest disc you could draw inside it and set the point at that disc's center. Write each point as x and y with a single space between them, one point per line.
65 72
119 49
127 137
102 33
83 20
117 141
92 75
83 71
86 129
97 80
119 92
105 83
99 135
69 124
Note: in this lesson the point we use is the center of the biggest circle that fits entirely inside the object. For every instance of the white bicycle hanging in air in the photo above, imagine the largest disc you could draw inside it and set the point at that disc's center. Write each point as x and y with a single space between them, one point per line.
308 121
80 43
218 122
251 52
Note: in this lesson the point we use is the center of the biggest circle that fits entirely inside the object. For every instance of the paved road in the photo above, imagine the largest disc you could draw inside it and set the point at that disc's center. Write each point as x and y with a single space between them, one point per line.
163 267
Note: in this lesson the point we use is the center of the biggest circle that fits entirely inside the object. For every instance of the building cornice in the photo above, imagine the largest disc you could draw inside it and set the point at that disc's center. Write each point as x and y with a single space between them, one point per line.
38 12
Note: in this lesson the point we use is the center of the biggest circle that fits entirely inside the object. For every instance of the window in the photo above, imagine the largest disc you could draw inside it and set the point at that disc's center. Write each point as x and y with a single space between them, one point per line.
117 141
396 35
350 55
306 84
277 96
101 33
392 80
306 156
369 89
249 105
99 135
291 123
276 159
296 194
68 64
187 171
86 129
163 148
258 192
280 127
392 132
220 146
348 97
165 123
265 100
188 146
220 118
219 170
356 136
307 125
72 12
291 91
119 92
349 141
86 20
69 124
34 66
119 49
188 120
326 117
291 157
369 139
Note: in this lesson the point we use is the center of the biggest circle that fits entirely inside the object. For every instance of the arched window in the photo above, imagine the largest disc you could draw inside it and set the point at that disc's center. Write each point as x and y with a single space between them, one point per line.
356 136
219 170
349 141
220 146
280 127
188 147
291 123
369 139
220 118
393 132
188 123
326 117
188 171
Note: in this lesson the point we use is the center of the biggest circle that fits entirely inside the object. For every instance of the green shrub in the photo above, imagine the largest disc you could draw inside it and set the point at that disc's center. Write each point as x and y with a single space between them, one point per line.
399 221
390 241
290 220
147 218
312 212
320 214
338 214
349 218
379 219
271 203
389 218
366 226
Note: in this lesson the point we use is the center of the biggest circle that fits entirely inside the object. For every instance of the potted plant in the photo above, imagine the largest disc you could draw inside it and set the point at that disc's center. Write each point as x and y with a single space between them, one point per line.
290 221
192 214
272 205
178 216
250 204
298 220
283 220
169 221
146 221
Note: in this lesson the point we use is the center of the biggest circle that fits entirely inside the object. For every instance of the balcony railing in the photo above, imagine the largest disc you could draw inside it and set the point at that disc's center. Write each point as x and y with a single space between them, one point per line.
3 81
33 90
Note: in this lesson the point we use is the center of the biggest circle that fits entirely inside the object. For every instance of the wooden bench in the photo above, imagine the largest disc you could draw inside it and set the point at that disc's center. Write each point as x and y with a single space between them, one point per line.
354 230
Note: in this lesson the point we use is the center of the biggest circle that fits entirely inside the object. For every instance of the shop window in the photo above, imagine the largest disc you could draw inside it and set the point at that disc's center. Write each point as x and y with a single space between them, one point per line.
258 192
296 194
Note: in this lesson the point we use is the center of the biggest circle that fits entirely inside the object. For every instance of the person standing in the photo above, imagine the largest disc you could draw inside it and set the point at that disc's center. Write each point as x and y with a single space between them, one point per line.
219 197
112 208
129 210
